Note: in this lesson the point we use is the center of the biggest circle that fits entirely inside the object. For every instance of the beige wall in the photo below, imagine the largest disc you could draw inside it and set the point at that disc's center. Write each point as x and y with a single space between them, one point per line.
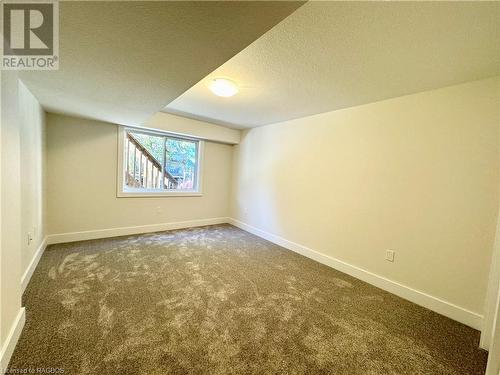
187 126
10 255
32 142
416 174
22 199
81 185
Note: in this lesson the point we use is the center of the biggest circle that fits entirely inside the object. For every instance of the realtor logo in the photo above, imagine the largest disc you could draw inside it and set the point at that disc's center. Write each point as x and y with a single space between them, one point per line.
30 35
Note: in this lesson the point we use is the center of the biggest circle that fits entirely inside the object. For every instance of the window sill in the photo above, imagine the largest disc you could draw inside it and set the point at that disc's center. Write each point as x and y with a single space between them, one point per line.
159 194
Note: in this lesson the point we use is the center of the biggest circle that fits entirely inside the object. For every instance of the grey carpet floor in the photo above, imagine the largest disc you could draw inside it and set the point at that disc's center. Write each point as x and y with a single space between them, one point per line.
218 300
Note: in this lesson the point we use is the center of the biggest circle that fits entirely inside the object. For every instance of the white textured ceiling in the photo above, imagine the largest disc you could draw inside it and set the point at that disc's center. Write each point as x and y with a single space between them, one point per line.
123 61
331 55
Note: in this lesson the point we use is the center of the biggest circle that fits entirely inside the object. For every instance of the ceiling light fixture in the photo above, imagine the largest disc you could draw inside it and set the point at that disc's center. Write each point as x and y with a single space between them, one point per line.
223 87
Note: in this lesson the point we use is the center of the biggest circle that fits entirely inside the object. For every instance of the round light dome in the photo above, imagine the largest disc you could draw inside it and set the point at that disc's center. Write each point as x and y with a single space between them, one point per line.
223 87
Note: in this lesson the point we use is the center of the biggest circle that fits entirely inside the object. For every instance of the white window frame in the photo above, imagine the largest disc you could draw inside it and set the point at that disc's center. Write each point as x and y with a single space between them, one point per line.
122 191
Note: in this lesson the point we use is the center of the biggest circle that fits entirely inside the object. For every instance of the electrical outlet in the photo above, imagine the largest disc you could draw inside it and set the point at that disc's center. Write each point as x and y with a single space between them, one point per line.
30 238
389 255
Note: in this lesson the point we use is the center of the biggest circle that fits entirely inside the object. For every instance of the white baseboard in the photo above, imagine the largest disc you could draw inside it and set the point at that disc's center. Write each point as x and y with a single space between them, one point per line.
435 304
11 339
25 279
125 231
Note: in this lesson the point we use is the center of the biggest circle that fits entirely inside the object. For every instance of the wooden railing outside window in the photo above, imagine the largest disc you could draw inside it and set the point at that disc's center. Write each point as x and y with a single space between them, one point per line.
142 168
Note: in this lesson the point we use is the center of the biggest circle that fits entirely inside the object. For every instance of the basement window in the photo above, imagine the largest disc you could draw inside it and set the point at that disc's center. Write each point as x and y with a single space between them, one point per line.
157 164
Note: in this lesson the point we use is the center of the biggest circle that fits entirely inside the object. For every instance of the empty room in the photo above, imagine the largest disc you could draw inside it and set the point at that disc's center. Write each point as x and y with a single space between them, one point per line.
250 187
